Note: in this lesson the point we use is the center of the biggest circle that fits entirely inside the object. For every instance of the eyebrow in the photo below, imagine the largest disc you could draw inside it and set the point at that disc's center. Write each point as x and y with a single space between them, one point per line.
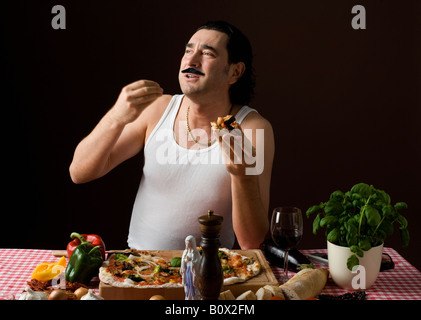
203 46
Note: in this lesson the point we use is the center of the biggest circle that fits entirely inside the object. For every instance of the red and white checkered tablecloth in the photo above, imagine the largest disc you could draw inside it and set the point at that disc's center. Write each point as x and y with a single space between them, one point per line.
401 283
16 266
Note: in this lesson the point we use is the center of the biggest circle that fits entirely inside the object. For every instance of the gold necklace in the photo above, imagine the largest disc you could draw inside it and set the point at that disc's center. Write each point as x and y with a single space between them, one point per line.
191 134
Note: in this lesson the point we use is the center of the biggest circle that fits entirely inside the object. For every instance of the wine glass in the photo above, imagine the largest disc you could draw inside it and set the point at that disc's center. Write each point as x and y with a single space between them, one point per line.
286 229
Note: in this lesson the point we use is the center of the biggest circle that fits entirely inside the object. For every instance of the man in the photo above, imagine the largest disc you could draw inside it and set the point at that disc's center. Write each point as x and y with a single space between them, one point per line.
183 176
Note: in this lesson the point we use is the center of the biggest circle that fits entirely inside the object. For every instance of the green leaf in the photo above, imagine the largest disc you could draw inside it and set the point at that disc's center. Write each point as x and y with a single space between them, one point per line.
364 244
387 227
351 239
372 215
352 261
388 210
328 221
316 224
351 226
401 205
333 207
313 209
404 233
337 195
362 189
356 250
333 235
383 196
402 220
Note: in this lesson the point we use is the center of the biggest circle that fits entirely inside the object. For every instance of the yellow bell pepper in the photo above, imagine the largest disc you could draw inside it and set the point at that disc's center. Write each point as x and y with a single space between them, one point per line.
48 270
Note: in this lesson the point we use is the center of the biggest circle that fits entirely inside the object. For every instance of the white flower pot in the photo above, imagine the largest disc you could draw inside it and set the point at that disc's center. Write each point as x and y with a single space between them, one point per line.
363 276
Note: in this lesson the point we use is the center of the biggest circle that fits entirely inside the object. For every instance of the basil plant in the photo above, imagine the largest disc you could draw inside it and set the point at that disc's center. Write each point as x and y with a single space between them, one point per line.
360 219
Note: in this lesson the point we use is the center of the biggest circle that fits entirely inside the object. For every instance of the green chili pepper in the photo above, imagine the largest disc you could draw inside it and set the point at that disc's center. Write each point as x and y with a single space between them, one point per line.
84 263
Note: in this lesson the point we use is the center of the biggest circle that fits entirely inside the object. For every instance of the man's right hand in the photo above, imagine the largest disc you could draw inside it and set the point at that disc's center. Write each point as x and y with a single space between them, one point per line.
133 99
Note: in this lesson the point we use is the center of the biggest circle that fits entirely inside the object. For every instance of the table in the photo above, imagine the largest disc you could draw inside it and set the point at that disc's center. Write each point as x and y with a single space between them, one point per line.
401 283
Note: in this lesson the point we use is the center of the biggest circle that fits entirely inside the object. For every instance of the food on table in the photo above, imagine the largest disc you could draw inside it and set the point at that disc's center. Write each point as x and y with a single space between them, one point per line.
137 268
91 295
248 295
175 262
307 283
304 285
276 291
48 270
84 263
30 294
157 297
79 293
263 294
237 267
73 291
58 294
228 123
92 239
226 295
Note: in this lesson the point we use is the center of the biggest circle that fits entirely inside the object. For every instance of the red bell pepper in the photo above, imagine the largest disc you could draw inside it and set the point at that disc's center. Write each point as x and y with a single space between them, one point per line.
92 239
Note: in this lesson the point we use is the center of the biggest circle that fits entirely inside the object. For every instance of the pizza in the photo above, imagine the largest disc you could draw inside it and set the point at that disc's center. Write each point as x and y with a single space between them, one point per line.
139 268
228 123
237 267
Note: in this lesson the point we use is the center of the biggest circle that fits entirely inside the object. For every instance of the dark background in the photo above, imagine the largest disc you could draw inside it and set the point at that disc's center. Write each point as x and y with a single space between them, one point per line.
344 104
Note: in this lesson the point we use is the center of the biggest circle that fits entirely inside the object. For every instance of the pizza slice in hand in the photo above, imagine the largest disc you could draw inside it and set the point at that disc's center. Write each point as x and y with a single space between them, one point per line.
228 123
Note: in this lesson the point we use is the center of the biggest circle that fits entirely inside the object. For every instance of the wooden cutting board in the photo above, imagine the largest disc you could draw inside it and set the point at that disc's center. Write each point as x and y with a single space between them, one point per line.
266 277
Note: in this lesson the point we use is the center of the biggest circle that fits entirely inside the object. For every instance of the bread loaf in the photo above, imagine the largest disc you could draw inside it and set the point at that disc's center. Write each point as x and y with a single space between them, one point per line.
307 283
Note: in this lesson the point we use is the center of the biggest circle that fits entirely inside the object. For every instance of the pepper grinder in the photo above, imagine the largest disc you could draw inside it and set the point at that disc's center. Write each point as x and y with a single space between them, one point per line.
210 278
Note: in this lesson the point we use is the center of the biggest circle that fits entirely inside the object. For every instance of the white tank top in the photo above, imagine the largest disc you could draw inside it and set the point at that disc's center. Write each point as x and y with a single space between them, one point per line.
177 187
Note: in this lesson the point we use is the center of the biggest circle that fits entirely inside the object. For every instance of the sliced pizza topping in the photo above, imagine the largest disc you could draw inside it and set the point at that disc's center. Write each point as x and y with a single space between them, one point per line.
228 123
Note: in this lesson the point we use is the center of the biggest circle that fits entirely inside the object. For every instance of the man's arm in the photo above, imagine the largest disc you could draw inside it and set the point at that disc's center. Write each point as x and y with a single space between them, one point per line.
118 136
251 192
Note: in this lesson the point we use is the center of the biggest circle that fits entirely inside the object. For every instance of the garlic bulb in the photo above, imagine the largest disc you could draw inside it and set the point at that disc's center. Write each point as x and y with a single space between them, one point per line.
30 294
91 296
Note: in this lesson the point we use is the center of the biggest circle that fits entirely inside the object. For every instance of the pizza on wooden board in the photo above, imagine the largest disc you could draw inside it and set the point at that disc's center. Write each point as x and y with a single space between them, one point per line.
140 268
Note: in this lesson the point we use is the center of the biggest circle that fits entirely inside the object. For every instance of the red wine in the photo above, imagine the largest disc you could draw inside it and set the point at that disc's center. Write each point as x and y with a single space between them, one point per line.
286 239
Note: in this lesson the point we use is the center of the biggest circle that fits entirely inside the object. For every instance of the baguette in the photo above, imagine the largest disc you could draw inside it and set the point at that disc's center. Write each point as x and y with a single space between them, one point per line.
305 284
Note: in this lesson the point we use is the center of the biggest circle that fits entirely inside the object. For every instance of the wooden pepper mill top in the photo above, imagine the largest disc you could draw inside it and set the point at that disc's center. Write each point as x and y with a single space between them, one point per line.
210 225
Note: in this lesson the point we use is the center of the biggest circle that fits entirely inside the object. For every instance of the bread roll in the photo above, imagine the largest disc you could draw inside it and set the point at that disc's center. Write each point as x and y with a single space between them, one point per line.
275 290
263 294
307 283
248 295
226 295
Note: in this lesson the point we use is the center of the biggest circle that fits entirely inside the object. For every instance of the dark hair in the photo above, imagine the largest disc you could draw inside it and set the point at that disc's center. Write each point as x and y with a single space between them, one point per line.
239 50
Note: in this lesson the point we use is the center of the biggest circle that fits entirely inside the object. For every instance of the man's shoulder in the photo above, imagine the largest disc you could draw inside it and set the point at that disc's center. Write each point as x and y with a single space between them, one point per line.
255 120
158 107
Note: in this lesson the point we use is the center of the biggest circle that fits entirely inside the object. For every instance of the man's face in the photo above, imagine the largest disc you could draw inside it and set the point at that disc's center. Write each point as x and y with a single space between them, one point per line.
206 52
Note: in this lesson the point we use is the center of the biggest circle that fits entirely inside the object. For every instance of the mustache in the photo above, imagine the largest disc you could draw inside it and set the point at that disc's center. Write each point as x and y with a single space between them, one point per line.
193 70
